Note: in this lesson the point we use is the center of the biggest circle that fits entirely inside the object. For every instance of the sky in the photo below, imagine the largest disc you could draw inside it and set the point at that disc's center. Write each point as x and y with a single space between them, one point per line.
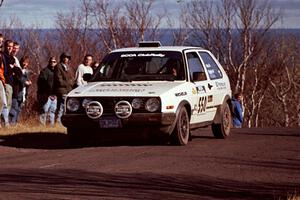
41 13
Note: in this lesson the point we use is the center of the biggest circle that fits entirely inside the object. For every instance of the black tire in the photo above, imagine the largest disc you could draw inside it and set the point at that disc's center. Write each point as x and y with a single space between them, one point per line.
222 130
181 133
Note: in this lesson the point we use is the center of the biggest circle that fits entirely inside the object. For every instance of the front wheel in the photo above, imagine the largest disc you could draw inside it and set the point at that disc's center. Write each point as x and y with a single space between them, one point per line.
222 130
181 133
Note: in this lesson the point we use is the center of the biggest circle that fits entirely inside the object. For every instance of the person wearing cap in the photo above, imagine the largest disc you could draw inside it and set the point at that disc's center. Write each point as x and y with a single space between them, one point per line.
62 82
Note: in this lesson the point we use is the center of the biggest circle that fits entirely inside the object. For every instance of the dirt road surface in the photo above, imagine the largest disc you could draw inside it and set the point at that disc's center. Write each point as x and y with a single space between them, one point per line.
250 164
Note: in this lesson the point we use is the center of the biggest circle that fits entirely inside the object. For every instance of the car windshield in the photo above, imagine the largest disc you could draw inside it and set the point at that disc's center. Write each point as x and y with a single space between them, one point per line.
141 66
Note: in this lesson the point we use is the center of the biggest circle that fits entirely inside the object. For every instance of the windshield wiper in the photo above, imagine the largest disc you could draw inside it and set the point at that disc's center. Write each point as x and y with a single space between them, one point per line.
155 77
123 79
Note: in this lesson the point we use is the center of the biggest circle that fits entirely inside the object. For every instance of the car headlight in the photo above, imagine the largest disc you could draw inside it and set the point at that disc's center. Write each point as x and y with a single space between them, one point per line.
73 104
152 104
137 103
123 109
85 102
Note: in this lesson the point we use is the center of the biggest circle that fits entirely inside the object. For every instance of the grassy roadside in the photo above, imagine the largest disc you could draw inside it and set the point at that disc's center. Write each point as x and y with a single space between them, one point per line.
31 127
290 196
293 196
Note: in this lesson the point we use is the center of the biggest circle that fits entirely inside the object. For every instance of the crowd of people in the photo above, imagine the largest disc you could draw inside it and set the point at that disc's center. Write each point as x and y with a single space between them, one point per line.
14 81
54 82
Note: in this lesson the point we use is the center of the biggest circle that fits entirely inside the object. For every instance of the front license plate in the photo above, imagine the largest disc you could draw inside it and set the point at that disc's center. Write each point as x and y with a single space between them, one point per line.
110 122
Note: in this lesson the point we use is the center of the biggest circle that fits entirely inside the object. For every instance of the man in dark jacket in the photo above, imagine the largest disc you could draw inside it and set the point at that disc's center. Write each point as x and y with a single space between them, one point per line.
63 83
17 86
45 93
237 110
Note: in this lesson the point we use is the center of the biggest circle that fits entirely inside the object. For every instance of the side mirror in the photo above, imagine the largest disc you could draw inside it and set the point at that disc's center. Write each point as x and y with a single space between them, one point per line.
87 77
199 76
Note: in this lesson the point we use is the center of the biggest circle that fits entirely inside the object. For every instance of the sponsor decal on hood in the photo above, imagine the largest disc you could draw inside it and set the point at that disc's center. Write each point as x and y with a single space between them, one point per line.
124 89
121 87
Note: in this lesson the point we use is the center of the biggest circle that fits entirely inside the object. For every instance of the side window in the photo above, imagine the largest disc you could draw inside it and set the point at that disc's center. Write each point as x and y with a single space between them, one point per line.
196 69
212 68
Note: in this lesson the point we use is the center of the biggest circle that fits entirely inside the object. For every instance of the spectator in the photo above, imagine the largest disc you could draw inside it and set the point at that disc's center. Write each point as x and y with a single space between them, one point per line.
63 83
15 51
2 93
84 68
25 76
20 82
237 110
17 86
1 41
45 93
2 79
8 61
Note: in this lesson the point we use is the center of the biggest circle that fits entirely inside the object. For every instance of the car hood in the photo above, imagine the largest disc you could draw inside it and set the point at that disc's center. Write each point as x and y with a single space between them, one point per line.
138 88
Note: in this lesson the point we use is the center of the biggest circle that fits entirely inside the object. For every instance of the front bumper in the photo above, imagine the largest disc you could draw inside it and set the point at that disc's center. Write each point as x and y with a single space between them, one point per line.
136 119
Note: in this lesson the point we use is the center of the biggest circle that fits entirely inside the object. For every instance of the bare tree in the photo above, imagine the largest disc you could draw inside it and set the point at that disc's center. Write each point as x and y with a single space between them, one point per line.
298 108
235 31
181 33
284 79
256 19
215 26
202 22
281 92
141 19
122 25
227 12
256 95
76 34
107 18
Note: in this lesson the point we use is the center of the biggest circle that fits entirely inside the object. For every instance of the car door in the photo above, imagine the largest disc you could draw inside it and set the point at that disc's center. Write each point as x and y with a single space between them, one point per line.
198 76
218 86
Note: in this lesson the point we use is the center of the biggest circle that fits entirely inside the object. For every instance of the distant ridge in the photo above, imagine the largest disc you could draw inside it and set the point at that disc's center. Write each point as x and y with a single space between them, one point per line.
166 37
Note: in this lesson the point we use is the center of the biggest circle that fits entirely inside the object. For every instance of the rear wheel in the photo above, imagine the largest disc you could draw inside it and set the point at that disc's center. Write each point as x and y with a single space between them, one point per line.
222 130
181 133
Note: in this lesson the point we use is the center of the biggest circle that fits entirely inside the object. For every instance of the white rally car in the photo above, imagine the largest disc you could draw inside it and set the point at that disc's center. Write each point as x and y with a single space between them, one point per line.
172 90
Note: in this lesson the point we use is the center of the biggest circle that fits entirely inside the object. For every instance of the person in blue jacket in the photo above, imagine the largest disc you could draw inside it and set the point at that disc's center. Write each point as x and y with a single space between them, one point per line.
237 110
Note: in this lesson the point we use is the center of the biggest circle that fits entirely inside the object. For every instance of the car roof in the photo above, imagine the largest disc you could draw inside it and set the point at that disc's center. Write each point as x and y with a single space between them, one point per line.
161 48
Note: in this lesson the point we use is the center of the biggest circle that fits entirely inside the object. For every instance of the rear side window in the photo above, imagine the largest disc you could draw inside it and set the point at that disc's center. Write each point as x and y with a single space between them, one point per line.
195 65
212 68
